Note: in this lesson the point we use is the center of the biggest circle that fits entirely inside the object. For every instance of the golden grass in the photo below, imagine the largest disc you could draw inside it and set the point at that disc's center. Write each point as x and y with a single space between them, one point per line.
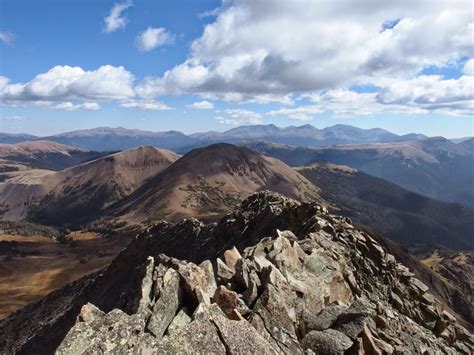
28 278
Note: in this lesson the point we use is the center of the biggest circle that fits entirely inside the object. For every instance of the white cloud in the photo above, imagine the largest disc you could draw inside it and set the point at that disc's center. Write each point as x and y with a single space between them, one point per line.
301 113
116 20
7 38
256 50
240 117
420 95
469 67
69 106
431 93
71 83
202 105
146 105
152 38
14 118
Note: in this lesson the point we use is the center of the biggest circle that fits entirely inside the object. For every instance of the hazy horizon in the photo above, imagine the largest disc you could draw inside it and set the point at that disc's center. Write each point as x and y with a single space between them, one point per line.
224 129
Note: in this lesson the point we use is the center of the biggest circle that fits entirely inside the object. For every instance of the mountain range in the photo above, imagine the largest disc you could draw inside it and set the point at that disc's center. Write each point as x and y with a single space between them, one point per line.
113 139
148 184
434 167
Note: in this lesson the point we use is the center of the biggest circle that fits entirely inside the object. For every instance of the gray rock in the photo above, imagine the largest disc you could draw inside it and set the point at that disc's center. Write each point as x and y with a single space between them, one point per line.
328 342
206 266
199 336
167 305
241 276
239 337
324 320
224 273
146 289
180 320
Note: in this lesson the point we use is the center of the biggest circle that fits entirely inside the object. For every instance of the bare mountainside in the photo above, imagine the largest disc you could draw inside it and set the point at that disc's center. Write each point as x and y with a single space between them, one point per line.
393 210
434 167
81 193
44 154
209 181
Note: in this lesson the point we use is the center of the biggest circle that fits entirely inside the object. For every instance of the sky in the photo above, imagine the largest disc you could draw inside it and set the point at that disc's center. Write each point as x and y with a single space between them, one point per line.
195 66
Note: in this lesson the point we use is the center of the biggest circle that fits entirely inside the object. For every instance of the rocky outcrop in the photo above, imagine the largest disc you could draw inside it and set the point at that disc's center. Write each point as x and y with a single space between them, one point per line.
276 276
457 271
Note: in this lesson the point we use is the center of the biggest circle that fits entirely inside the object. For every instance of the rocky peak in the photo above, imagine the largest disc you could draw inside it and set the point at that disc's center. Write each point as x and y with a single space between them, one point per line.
275 276
330 290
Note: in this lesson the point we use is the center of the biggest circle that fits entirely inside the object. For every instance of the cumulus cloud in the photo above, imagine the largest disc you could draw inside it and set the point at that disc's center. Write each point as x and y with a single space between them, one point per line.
469 67
145 105
300 113
420 95
240 117
152 38
7 38
116 19
431 93
69 106
242 55
70 83
202 105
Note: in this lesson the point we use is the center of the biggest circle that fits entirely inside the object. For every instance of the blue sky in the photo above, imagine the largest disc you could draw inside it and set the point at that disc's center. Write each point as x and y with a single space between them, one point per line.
205 65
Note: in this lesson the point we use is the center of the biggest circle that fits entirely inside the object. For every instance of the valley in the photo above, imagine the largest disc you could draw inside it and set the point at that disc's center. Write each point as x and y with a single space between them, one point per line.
33 266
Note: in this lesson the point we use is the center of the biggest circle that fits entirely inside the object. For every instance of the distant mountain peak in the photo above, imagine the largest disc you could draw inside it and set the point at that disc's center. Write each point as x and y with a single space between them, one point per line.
120 138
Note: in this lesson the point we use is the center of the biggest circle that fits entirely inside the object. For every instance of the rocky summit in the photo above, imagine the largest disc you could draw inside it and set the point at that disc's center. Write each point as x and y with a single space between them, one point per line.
275 276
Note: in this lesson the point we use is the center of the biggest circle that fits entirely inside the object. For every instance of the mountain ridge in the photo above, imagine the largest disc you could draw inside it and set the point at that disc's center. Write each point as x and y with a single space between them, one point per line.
289 275
119 138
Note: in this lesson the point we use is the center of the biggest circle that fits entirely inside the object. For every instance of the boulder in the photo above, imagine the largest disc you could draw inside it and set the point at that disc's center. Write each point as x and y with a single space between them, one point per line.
328 342
227 300
167 305
230 257
324 320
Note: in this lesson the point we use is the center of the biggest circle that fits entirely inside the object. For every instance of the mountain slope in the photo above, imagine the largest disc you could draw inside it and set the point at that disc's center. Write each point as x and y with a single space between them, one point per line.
209 181
44 154
81 193
403 216
20 190
298 279
434 167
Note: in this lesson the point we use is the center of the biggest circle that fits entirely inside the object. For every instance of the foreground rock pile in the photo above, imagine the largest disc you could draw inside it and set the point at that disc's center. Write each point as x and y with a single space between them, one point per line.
318 285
